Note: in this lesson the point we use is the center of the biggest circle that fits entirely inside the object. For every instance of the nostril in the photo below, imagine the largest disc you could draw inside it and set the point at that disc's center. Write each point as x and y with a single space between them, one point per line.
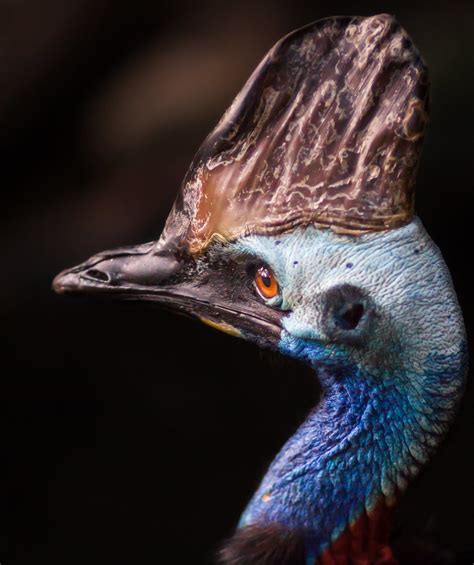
98 275
349 316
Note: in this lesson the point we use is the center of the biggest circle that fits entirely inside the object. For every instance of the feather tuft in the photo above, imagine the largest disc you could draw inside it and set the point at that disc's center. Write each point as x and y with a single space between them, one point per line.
269 544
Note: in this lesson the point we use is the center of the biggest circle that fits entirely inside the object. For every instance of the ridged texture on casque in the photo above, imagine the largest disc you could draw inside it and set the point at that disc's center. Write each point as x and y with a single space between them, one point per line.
327 131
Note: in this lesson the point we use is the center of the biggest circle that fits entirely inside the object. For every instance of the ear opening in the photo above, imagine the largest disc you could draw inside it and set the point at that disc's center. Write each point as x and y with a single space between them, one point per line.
348 312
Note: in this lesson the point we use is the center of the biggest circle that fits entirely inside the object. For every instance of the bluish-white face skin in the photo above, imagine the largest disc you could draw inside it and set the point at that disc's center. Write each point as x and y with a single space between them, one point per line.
402 270
391 384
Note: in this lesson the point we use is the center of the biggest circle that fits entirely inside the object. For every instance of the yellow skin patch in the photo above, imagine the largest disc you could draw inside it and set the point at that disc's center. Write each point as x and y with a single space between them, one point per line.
223 327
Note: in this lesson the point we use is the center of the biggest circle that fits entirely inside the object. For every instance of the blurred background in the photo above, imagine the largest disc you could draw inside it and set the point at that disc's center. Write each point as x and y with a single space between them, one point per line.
129 435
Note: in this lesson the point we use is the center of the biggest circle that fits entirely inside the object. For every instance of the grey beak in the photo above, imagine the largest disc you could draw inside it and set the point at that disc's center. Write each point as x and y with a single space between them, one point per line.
126 270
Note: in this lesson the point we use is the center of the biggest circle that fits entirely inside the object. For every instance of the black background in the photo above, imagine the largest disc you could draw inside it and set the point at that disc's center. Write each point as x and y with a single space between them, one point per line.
130 435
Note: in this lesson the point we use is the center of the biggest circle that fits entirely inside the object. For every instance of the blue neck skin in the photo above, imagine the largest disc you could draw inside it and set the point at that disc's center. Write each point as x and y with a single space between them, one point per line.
387 402
363 443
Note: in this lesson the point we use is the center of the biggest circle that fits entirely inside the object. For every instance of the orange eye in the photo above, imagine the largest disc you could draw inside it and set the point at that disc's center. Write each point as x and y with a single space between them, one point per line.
266 283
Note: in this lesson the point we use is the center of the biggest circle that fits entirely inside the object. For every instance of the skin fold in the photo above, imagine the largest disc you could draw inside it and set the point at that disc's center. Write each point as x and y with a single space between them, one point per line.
391 385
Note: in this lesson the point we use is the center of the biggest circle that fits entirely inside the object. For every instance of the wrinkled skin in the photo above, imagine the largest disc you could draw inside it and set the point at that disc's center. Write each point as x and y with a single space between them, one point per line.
391 383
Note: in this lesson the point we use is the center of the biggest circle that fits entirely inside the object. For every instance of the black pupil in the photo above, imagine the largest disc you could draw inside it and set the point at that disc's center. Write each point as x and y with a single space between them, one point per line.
266 278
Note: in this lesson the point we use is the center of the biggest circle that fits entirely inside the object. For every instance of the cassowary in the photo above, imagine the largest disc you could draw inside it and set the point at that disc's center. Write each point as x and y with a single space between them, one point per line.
294 229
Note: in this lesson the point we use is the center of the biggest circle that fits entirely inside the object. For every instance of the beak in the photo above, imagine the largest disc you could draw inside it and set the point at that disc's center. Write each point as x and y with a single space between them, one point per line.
126 271
155 273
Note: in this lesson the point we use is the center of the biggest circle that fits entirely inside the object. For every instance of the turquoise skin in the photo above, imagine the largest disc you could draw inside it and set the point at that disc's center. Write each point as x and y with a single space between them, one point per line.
390 387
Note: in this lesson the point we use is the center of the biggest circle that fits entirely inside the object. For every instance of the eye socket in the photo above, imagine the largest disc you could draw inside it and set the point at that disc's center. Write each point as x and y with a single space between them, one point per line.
266 283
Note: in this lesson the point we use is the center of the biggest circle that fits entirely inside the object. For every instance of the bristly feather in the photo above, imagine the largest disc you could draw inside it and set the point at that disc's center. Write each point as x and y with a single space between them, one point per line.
269 544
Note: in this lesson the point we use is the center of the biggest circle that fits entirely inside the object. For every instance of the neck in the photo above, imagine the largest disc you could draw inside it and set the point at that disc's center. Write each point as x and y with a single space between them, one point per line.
347 465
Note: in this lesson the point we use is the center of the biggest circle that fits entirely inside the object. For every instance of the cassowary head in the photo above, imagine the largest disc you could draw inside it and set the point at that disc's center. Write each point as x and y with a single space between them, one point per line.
295 229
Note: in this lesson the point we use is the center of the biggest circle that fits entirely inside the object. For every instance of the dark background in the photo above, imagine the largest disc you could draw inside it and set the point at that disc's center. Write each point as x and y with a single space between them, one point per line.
130 435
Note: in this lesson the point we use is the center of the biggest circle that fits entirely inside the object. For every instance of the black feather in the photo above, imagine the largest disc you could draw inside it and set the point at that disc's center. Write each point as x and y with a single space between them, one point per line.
270 544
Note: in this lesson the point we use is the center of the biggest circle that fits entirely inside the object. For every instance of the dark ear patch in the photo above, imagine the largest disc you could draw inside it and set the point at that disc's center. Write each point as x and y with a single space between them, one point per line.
348 312
269 544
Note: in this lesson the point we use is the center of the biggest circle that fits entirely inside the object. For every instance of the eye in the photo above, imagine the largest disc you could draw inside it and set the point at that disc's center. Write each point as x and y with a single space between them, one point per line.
266 283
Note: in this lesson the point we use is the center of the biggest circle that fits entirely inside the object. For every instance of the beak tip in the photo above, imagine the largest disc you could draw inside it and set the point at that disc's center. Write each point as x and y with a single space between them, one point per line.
65 283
